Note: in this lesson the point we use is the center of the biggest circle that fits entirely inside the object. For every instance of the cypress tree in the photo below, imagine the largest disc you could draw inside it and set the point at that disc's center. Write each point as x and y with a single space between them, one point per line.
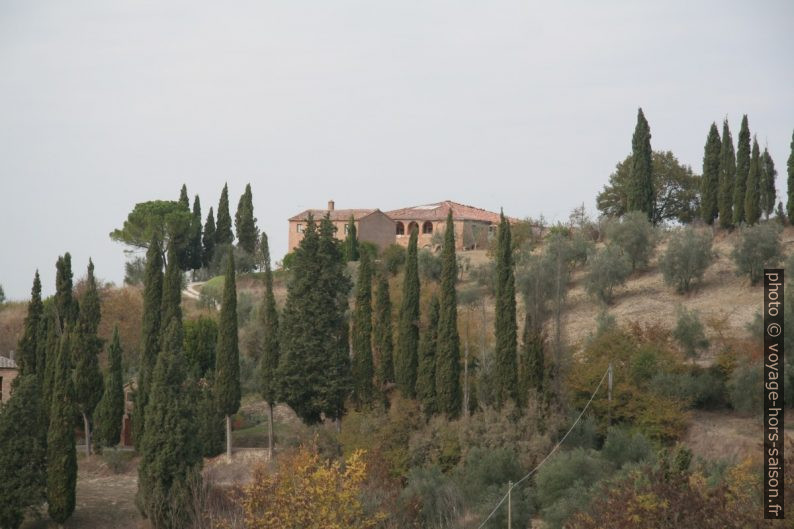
408 330
201 340
245 222
351 241
382 332
768 176
790 183
208 240
448 394
110 411
709 182
269 347
727 177
641 192
184 201
363 369
51 349
532 365
505 318
46 324
742 171
195 245
61 453
22 451
171 302
223 224
227 359
426 372
169 473
28 343
211 423
65 304
150 332
87 377
752 197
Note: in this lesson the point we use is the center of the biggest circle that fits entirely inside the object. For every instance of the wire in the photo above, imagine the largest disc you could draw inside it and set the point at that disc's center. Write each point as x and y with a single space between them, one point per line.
547 455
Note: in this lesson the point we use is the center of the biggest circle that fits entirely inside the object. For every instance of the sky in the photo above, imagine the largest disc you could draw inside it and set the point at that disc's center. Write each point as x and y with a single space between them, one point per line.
524 105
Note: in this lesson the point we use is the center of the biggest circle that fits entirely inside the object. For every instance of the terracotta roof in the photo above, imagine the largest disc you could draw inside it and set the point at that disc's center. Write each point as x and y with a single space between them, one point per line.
7 363
336 214
439 210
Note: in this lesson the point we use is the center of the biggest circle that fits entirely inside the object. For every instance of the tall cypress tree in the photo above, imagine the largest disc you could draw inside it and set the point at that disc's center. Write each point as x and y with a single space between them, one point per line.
227 359
752 196
727 177
382 332
532 364
223 224
49 354
65 303
405 364
208 240
28 343
171 301
768 176
448 394
22 451
110 411
641 191
351 241
61 453
505 318
363 369
742 171
169 473
195 246
184 201
245 222
87 377
709 182
790 183
150 332
426 372
269 346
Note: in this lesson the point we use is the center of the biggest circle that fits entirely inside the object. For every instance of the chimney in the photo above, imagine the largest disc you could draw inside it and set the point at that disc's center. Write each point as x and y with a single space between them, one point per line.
330 205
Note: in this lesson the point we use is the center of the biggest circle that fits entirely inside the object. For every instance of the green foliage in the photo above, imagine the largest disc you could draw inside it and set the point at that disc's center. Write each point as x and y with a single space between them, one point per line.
438 499
448 391
406 361
640 196
758 248
209 419
351 241
245 222
61 455
165 219
703 389
2 295
269 345
505 326
742 172
223 223
22 451
383 341
429 265
608 269
28 342
622 446
676 190
426 372
393 258
636 238
686 259
745 388
66 305
709 182
227 359
201 338
195 248
752 196
134 271
363 367
689 332
208 240
110 411
727 177
767 184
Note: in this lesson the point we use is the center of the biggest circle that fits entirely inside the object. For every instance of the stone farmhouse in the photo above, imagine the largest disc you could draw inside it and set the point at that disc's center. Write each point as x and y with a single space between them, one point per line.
472 225
8 372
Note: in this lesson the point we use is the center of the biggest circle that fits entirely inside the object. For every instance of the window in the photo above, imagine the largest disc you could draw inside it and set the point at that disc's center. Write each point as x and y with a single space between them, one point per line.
299 228
427 227
347 228
400 228
413 226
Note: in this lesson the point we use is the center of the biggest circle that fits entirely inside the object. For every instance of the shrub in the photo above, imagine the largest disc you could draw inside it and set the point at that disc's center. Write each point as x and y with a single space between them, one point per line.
581 247
689 333
635 236
429 265
608 268
758 248
393 258
622 447
700 389
687 257
435 498
745 388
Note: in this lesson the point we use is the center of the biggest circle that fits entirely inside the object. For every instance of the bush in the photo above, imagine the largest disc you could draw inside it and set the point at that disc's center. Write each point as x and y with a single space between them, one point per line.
687 257
393 258
689 333
429 265
758 248
700 389
622 447
607 269
435 498
582 247
745 388
635 236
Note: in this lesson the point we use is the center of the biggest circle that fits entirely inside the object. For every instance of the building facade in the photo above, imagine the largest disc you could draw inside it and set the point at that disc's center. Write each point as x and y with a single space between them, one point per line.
8 372
372 225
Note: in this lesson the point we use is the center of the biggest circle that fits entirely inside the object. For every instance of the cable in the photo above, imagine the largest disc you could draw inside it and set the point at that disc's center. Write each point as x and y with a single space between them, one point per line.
549 454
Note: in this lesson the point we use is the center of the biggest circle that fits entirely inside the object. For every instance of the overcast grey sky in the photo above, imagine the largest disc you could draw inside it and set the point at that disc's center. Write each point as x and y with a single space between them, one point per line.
522 104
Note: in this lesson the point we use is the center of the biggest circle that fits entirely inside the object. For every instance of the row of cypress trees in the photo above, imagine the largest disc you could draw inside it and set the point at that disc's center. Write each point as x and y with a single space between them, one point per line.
59 376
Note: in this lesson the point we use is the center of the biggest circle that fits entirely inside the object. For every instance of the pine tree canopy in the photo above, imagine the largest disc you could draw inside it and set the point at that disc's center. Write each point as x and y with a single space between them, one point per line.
407 359
727 177
363 369
269 346
167 219
227 360
448 393
245 222
208 240
223 222
28 343
382 331
742 172
505 320
641 190
709 182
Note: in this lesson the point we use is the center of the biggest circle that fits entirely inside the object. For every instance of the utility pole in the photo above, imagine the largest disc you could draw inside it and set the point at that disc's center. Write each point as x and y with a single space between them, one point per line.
509 505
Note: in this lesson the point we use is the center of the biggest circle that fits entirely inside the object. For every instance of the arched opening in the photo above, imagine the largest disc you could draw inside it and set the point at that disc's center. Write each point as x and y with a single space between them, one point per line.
427 227
400 228
412 226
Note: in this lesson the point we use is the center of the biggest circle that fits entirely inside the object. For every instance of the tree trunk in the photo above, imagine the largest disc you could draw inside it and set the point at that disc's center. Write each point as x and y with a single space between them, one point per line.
270 433
229 437
87 435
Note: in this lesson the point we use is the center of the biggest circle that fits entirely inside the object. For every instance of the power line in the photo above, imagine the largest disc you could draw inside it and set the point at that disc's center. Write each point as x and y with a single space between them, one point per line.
514 485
